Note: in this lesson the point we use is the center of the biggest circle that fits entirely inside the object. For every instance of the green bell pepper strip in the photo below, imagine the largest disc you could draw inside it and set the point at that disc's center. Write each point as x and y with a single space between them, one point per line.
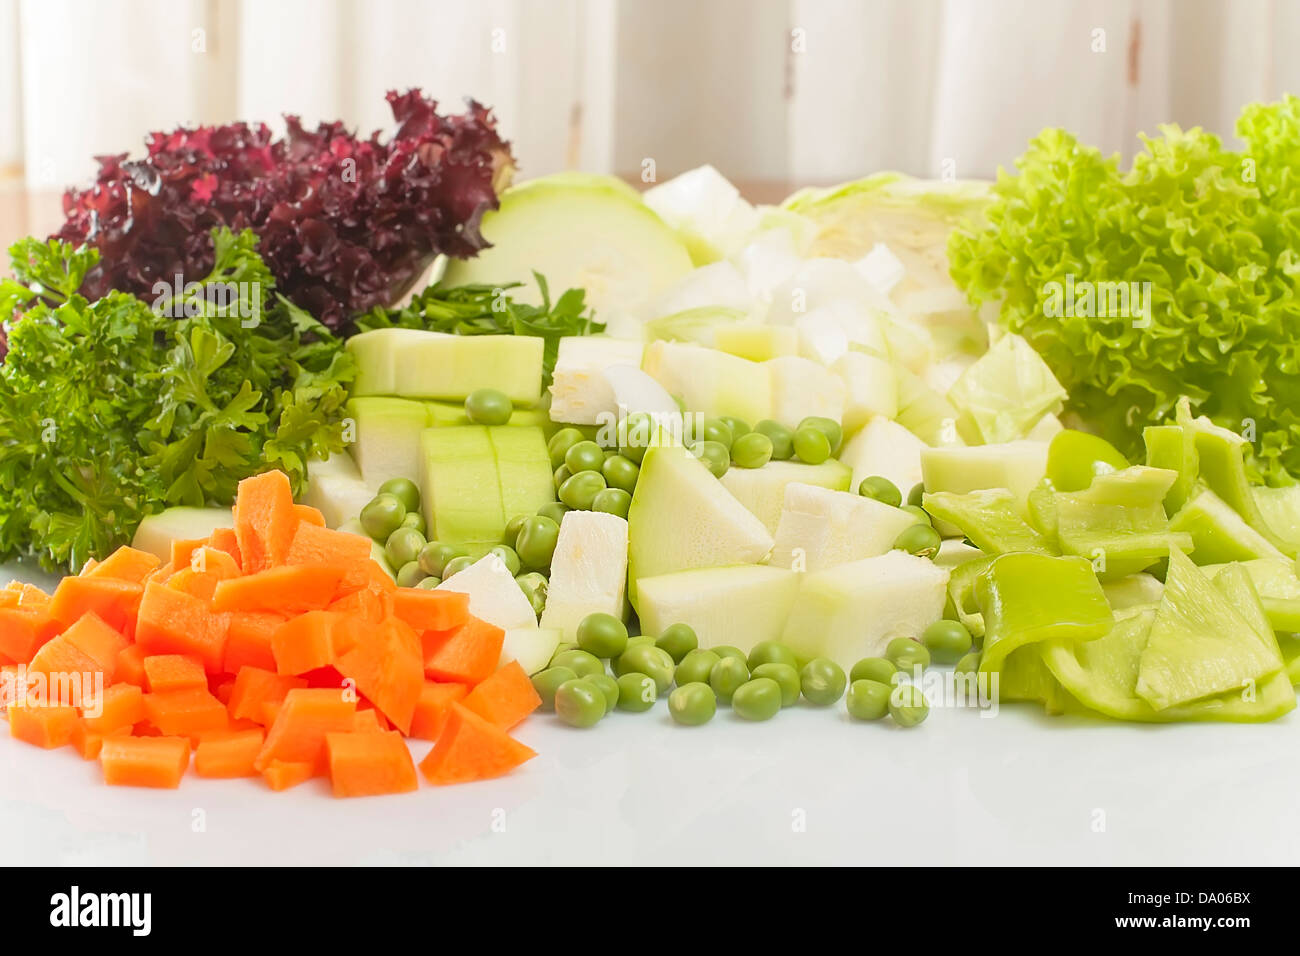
1028 598
961 592
1277 585
1173 447
990 518
1075 458
1218 533
1207 637
1119 521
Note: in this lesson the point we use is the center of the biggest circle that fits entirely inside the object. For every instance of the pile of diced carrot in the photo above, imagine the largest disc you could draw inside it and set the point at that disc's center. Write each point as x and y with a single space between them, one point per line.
276 648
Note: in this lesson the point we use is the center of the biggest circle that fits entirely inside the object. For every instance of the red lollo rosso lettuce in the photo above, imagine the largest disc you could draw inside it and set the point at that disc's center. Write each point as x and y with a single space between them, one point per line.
345 224
1215 233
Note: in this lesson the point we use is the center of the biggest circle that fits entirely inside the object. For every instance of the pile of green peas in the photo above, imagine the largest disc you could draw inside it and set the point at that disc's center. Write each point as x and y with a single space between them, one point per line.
591 478
606 669
726 441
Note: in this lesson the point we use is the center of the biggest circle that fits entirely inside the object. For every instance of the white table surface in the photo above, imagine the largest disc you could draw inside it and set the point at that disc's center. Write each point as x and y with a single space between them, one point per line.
810 786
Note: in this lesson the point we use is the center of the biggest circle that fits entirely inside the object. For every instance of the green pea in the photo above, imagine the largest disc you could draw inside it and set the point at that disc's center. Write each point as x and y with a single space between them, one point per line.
403 546
435 555
917 494
696 666
560 444
921 514
487 406
786 677
555 510
946 641
827 426
822 681
738 427
456 565
580 491
415 521
908 706
410 575
811 445
535 542
562 647
920 540
582 663
718 431
874 668
881 489
620 472
404 490
752 451
693 704
507 556
729 650
382 515
969 664
429 583
614 501
649 660
677 641
635 433
771 652
513 527
727 676
714 454
602 635
580 703
907 654
534 586
607 686
636 639
868 699
584 456
758 699
561 475
636 692
781 437
547 682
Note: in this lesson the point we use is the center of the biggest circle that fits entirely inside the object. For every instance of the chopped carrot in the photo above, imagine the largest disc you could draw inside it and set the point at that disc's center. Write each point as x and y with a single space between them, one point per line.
288 589
24 630
248 640
223 539
228 754
173 622
62 672
318 546
144 761
42 725
305 717
434 707
374 606
119 707
265 521
167 672
130 665
431 610
126 564
505 698
367 721
85 741
313 640
89 566
182 713
255 686
116 602
161 574
268 711
222 690
367 764
386 663
468 655
283 774
309 515
98 641
183 550
207 568
471 748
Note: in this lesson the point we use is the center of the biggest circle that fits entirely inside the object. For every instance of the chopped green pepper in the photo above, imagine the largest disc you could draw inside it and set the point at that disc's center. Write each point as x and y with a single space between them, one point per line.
990 518
1075 458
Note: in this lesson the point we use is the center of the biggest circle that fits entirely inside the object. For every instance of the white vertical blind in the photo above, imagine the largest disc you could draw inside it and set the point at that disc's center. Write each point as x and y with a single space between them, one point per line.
784 90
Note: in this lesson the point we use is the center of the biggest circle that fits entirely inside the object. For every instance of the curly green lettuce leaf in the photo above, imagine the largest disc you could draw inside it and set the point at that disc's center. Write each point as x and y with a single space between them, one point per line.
1214 234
